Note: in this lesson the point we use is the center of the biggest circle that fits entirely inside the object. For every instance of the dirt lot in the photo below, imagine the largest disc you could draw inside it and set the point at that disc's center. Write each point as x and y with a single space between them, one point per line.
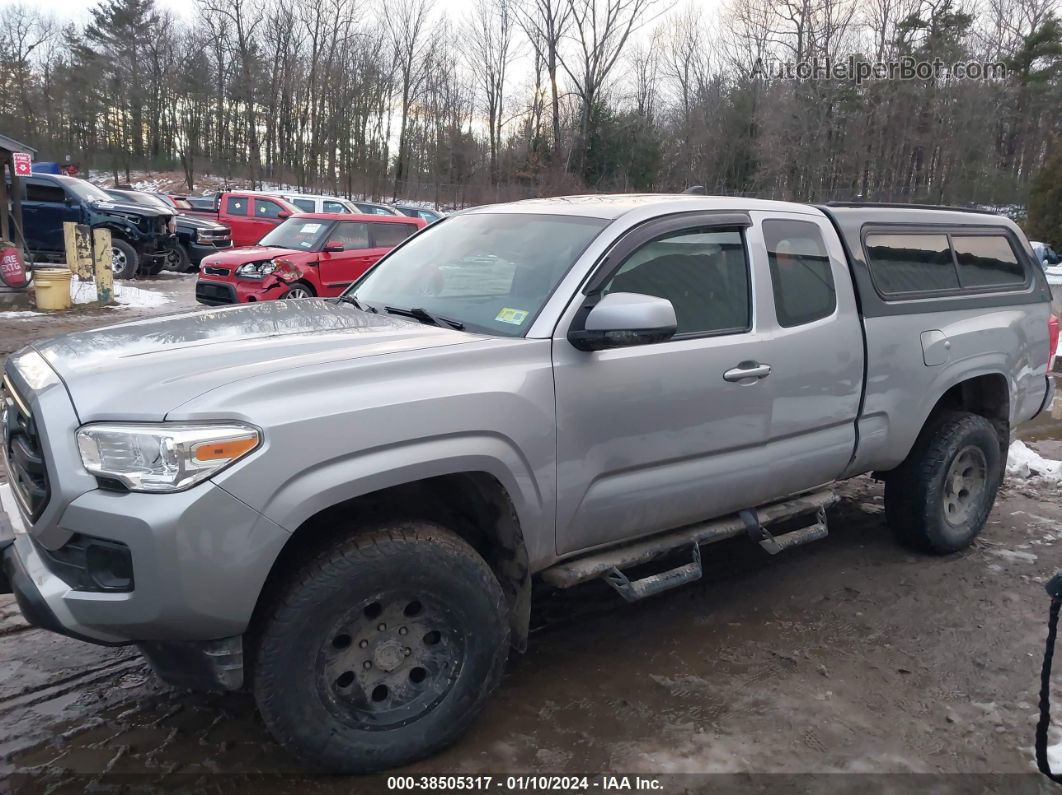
851 655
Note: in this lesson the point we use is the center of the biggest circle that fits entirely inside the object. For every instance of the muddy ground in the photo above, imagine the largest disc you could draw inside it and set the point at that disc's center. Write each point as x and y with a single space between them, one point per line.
850 655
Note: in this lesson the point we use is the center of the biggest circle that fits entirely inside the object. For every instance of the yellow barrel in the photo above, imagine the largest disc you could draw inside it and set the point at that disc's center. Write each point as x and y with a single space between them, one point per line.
53 287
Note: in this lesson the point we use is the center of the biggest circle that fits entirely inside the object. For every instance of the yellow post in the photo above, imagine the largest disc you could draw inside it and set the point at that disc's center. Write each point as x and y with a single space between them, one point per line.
104 274
78 249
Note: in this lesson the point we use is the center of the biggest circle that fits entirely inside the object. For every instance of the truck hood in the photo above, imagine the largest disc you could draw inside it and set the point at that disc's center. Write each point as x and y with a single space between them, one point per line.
191 222
141 370
131 209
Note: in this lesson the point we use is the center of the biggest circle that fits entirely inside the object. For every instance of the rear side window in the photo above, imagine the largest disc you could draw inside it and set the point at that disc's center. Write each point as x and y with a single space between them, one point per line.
800 272
911 263
40 192
306 205
235 205
987 261
390 235
702 272
352 235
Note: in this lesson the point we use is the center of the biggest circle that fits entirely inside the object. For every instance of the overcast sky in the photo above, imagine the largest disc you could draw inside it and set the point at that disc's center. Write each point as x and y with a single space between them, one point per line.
75 11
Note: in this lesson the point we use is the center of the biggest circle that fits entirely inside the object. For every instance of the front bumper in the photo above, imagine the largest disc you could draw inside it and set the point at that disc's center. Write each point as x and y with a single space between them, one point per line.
200 559
239 291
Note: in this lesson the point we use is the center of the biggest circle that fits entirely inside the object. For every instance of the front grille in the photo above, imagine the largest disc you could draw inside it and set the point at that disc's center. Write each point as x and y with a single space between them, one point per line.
23 453
216 271
213 293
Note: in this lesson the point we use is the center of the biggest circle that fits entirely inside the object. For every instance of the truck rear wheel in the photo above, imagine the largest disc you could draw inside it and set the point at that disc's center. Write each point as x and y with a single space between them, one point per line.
382 649
939 498
125 260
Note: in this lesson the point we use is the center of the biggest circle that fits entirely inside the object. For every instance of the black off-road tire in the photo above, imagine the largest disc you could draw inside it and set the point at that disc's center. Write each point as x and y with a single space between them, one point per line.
924 502
125 259
176 259
345 622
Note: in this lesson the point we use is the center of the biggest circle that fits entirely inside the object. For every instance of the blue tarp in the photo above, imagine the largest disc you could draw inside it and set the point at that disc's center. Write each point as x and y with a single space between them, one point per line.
46 168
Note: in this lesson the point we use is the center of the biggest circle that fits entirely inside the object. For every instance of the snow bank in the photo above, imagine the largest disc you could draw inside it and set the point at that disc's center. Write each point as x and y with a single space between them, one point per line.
124 295
1025 463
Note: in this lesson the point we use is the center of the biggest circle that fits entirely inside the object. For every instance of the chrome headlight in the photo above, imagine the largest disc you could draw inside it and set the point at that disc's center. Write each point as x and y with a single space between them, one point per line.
164 456
256 270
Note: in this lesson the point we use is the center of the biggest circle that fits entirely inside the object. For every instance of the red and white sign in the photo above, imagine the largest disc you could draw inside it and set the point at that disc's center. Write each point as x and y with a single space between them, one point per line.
23 163
12 271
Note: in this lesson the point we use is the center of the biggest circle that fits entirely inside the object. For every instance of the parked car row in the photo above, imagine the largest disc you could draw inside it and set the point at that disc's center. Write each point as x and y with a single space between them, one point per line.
331 242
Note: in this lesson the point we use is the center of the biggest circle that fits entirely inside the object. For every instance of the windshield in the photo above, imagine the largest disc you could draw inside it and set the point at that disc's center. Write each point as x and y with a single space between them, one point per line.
490 271
301 234
86 190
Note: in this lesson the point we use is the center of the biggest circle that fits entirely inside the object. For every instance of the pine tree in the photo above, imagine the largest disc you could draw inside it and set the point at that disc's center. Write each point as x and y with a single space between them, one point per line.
1045 201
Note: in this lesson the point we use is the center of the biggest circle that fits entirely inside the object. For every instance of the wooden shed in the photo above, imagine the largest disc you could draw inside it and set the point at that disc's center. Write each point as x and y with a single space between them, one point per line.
11 191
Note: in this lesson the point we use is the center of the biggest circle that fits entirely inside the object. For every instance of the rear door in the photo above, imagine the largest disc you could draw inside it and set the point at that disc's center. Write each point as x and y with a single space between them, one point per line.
815 350
339 268
652 437
44 212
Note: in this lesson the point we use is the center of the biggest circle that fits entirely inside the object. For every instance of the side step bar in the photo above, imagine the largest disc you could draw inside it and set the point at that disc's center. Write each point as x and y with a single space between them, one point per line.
608 563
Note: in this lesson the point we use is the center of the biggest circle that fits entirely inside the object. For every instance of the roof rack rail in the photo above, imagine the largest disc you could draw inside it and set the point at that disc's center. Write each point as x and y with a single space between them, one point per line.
908 206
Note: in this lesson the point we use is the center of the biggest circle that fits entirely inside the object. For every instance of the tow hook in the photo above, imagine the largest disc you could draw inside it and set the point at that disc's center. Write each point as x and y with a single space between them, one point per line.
1054 590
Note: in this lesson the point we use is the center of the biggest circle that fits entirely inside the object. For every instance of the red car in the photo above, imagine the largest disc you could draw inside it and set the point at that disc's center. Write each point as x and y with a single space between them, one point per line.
310 254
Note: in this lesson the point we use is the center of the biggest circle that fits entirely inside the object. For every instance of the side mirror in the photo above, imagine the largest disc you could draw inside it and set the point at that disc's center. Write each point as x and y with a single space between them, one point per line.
283 214
334 246
622 319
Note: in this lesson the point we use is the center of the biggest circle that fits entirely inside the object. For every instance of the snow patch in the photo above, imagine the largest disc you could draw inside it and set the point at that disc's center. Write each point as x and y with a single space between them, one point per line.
1025 463
125 295
1013 554
26 315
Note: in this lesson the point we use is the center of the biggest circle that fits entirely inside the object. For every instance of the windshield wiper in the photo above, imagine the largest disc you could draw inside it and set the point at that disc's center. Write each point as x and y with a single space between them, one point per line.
424 316
353 301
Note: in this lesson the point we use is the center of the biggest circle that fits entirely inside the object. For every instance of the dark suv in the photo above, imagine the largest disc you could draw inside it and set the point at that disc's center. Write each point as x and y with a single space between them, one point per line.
138 232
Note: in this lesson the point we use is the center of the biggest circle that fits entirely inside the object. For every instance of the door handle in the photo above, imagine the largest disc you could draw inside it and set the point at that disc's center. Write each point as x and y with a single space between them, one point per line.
747 370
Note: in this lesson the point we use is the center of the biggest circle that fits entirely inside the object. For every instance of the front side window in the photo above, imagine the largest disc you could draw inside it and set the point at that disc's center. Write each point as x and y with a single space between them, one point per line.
702 272
801 276
235 205
306 205
493 272
911 263
351 236
390 235
335 207
987 261
264 208
301 234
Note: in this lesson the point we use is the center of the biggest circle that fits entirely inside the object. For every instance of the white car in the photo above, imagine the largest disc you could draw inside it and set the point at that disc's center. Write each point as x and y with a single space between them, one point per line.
311 203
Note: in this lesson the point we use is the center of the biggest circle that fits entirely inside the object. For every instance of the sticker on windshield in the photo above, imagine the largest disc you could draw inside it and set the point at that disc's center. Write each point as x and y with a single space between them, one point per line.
514 316
309 229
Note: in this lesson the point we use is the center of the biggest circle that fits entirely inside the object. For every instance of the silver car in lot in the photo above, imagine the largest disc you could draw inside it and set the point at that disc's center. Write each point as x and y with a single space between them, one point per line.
342 504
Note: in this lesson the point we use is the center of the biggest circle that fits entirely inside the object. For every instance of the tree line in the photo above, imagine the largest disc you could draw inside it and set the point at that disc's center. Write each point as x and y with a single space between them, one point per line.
512 98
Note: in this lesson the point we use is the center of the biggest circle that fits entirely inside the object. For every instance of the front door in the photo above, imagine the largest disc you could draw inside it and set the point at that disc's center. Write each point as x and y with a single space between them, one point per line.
339 268
44 212
653 437
267 214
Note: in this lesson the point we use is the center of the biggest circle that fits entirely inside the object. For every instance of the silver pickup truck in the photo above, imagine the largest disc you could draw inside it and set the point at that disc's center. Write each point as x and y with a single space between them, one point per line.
341 504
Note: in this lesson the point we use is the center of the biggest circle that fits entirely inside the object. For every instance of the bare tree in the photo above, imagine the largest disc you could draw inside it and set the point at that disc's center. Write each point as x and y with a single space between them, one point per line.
490 28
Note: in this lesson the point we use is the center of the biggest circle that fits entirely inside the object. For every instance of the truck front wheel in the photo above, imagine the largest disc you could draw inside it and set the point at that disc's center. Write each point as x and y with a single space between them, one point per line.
939 498
125 260
382 649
